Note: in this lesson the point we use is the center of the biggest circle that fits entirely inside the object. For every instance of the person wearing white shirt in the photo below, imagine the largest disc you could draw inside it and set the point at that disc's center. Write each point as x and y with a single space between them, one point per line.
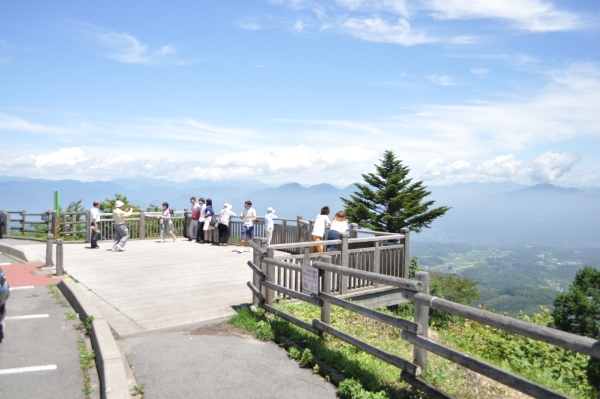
269 224
339 224
321 223
201 220
95 219
248 216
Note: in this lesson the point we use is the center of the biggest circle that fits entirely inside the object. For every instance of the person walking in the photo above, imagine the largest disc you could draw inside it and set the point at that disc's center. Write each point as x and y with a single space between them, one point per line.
209 214
201 220
166 224
193 229
321 223
339 224
121 231
269 224
224 218
95 219
248 216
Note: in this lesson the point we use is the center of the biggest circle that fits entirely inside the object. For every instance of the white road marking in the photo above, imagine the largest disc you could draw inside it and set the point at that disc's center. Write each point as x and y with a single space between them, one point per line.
28 369
5 264
29 316
25 287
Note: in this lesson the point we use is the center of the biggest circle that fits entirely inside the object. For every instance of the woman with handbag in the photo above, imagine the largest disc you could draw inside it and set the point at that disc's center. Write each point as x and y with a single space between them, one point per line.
209 224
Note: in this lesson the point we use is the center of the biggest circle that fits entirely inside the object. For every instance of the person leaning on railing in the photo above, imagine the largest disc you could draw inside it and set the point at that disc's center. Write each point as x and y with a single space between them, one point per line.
121 231
224 217
339 224
321 223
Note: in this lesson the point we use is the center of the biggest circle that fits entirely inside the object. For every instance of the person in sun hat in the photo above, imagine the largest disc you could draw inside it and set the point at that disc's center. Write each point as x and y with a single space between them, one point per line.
224 218
121 231
269 224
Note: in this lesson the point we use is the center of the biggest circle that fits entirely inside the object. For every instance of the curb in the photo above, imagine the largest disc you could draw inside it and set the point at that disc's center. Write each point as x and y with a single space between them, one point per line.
111 368
17 253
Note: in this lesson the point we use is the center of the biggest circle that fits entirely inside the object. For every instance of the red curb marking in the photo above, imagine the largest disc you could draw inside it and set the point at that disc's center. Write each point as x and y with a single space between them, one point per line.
19 275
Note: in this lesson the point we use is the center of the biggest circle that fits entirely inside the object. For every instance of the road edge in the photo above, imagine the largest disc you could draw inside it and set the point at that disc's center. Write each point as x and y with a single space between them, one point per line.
112 371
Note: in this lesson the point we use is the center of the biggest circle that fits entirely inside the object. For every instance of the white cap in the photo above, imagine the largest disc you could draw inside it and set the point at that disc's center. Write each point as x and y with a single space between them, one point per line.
119 204
226 206
270 210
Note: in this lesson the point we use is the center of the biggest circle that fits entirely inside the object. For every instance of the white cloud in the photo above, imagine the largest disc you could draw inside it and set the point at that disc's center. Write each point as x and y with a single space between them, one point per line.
480 72
438 167
65 156
442 80
125 47
505 167
376 29
299 26
250 25
529 15
13 123
550 166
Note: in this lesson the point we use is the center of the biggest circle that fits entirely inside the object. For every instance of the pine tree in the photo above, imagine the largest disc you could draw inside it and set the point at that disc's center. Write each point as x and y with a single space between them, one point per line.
390 200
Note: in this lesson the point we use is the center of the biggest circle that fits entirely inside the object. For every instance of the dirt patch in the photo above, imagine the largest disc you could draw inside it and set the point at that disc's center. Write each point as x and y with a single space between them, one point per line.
222 330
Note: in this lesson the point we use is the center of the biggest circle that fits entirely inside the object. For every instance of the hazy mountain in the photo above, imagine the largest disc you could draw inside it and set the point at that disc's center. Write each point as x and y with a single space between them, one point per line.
487 213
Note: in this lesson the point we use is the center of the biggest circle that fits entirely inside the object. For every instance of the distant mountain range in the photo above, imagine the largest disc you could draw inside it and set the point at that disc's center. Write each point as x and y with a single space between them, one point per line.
481 212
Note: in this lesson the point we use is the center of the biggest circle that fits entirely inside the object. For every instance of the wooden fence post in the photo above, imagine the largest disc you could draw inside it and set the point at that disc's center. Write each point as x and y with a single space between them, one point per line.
377 261
23 213
88 227
344 262
7 227
406 252
353 232
54 224
60 270
299 226
270 276
49 243
261 242
325 288
142 225
283 231
422 318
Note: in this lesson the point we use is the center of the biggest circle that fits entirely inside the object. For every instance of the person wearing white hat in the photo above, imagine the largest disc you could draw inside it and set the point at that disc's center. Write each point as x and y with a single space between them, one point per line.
223 227
121 231
269 224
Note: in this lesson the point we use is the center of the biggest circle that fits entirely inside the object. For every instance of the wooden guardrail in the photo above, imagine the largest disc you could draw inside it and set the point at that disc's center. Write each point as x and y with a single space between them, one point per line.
264 287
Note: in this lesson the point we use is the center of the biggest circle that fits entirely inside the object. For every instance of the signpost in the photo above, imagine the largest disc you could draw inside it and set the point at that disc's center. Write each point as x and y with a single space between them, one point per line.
310 279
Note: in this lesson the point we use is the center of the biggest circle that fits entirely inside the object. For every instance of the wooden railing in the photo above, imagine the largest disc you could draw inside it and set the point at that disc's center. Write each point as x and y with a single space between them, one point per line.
265 286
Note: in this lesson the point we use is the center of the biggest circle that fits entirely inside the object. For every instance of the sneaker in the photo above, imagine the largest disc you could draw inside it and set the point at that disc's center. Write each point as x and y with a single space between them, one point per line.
120 248
114 250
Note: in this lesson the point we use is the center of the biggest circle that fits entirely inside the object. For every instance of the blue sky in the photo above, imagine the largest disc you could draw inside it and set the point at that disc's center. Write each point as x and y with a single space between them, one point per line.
294 90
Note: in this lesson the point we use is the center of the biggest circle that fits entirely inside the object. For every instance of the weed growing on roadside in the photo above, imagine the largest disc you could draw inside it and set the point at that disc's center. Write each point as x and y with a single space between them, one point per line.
87 325
295 353
56 295
352 389
71 315
86 361
307 358
139 390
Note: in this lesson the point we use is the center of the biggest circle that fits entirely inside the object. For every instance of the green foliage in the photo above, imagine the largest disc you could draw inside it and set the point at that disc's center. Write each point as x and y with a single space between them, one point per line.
554 367
390 200
139 390
154 208
87 325
578 310
108 205
453 288
254 322
295 353
307 357
264 331
86 361
352 389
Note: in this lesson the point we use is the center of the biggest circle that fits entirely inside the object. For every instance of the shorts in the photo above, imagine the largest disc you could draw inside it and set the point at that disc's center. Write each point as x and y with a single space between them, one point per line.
247 232
207 225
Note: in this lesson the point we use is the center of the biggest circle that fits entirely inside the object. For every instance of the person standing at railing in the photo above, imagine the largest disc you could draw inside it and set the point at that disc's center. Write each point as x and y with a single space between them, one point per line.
166 224
248 216
224 217
2 222
121 231
321 223
95 219
192 231
208 215
339 224
269 224
201 220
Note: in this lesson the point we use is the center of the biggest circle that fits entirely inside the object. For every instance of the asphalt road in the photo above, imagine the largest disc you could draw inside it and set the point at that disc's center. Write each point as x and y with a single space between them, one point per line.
218 361
39 342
